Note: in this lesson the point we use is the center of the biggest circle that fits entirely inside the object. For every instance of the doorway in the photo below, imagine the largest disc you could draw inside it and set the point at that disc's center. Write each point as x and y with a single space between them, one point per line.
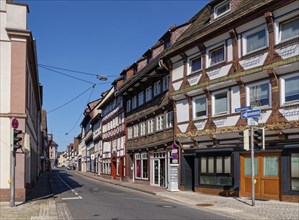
159 172
188 173
267 176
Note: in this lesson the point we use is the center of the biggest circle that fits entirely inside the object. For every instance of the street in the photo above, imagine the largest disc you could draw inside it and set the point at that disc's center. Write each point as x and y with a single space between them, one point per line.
90 199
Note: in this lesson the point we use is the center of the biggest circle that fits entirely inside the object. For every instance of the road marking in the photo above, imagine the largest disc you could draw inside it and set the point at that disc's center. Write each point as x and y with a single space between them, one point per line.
78 197
71 198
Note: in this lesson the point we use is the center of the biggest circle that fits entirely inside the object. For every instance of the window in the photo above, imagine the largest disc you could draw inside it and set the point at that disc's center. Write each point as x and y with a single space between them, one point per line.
134 102
254 41
130 132
165 83
222 9
258 94
215 171
141 166
194 64
140 98
295 171
148 94
142 129
169 119
289 29
199 107
157 88
220 102
160 120
289 88
136 131
150 126
216 55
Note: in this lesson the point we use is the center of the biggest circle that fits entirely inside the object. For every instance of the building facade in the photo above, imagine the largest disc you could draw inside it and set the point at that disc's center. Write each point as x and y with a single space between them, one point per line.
149 113
235 54
20 98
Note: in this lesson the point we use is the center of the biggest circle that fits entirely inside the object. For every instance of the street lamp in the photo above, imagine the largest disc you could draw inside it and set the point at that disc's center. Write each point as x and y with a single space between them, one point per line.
102 78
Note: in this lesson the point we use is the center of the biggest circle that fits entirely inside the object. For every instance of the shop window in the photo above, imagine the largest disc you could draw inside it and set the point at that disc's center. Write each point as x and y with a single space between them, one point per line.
141 162
290 89
216 171
289 29
258 94
295 171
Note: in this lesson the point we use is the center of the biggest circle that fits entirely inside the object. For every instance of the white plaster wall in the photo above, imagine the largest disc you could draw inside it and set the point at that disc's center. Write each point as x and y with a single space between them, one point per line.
3 34
216 40
178 71
17 16
5 146
252 24
5 76
182 111
192 51
286 9
235 94
229 47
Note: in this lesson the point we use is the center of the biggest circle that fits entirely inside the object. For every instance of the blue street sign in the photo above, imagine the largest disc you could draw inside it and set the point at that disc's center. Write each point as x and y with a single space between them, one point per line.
243 109
256 113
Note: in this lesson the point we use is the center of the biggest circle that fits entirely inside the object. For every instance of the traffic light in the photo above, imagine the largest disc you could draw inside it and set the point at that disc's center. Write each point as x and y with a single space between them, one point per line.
259 138
16 139
244 138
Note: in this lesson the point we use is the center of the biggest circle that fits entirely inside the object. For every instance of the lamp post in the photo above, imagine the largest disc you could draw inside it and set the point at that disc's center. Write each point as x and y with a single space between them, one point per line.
102 78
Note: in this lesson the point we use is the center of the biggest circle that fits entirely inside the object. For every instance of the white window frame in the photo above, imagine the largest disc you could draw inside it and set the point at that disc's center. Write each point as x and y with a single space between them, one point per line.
130 133
148 94
277 26
160 122
257 84
253 31
165 83
142 128
140 98
140 157
190 59
216 47
213 102
151 126
169 119
194 106
157 88
282 89
136 131
134 102
218 6
129 105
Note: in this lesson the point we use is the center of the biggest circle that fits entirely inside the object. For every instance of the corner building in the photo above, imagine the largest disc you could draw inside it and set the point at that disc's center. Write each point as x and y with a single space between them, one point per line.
238 53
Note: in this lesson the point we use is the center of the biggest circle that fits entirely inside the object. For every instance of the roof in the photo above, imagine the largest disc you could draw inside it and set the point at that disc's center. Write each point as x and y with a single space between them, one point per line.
201 28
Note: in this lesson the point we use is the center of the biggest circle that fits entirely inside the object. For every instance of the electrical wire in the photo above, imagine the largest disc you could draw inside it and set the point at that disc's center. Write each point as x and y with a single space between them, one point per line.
74 71
67 75
72 99
67 133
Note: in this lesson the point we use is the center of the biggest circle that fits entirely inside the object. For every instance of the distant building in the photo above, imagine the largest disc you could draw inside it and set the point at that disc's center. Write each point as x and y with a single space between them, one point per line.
53 154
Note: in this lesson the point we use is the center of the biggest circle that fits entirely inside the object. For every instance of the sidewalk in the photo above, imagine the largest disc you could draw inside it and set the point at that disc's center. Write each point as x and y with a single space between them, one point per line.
39 206
237 208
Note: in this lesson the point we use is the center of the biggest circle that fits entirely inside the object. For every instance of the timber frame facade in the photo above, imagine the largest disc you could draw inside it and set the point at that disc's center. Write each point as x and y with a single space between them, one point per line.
235 54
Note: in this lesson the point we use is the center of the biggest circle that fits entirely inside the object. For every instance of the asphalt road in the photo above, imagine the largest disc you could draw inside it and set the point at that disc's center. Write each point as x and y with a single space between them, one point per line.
86 198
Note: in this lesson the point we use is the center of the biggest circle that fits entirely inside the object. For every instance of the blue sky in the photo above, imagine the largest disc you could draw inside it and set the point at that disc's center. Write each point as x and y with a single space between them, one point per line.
97 37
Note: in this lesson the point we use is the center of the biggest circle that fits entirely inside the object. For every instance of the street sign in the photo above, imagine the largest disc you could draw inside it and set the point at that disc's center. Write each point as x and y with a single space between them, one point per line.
243 109
256 113
15 123
252 121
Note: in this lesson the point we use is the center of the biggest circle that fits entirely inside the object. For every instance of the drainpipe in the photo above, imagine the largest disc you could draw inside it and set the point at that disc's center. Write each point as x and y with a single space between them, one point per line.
162 64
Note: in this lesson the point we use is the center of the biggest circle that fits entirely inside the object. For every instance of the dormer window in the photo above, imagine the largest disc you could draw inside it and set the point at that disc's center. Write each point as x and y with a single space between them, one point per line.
166 43
222 9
